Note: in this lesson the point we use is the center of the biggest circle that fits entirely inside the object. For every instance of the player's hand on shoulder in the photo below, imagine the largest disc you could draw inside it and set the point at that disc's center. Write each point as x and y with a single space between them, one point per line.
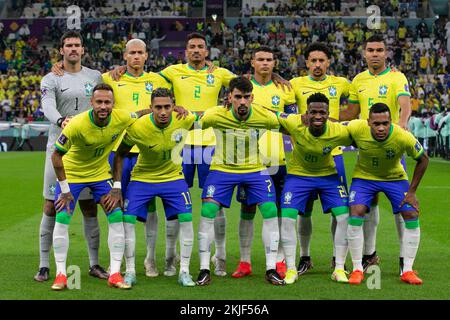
58 69
64 201
117 72
65 122
211 66
182 113
280 81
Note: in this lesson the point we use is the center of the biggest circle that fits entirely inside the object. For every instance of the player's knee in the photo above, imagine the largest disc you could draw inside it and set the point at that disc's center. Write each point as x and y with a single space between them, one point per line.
289 213
268 210
339 211
411 219
88 208
209 210
129 218
115 216
184 217
63 217
49 208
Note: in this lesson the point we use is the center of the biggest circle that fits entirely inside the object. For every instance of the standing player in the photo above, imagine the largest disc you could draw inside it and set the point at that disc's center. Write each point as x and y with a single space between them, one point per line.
381 147
198 90
311 171
378 84
236 163
158 173
318 57
80 161
62 98
132 92
271 145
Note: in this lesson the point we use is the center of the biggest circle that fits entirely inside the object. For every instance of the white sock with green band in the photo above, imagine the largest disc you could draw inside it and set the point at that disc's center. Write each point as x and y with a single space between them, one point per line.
219 234
355 241
186 241
370 230
411 240
151 234
340 240
61 246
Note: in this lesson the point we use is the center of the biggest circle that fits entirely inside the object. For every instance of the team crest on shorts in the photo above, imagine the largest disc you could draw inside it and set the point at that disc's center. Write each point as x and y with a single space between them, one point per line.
351 197
287 197
210 191
242 194
125 204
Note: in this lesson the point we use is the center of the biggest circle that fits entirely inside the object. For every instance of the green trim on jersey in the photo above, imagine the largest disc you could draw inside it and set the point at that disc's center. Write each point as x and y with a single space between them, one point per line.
312 79
259 84
130 75
388 69
91 117
420 154
192 68
59 149
160 73
407 94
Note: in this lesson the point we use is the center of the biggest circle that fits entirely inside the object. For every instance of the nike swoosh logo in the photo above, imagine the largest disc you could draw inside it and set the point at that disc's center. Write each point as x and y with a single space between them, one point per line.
185 77
62 90
361 90
89 145
121 85
150 147
305 92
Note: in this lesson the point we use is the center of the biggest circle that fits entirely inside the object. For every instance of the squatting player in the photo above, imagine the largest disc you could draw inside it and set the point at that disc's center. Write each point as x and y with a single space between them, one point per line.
381 147
62 98
236 163
80 161
318 57
158 173
378 84
311 171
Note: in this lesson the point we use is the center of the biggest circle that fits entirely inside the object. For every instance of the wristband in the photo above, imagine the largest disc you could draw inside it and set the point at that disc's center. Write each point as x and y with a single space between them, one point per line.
60 121
64 186
117 185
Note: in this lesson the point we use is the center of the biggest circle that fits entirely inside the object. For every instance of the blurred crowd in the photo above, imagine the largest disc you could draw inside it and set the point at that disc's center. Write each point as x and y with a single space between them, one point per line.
419 52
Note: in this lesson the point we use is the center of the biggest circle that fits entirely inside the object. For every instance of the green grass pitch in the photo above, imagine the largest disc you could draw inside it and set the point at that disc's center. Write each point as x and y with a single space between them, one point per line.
21 209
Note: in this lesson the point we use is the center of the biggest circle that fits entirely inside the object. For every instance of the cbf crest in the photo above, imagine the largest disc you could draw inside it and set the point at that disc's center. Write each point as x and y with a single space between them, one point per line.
287 197
390 154
210 80
326 150
178 137
148 87
88 87
332 91
276 100
210 191
382 90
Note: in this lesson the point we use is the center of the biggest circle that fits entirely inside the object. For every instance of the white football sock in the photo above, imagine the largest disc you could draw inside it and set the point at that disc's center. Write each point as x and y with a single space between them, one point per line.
355 244
289 241
61 246
151 234
370 230
340 240
130 246
186 242
400 224
271 238
333 232
280 254
92 235
172 229
411 240
219 234
245 239
116 244
304 234
45 240
205 238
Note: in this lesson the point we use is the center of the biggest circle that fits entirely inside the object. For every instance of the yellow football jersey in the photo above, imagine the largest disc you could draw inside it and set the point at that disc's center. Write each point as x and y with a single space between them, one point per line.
134 93
159 159
271 143
368 89
332 87
237 141
312 155
381 160
197 90
87 146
